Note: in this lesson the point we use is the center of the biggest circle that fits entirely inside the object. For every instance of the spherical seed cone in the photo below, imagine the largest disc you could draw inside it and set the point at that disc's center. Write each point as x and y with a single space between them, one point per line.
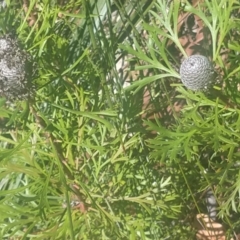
197 73
15 70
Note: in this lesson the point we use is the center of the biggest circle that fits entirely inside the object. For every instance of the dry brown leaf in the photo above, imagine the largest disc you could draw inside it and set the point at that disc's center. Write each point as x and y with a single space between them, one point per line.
208 229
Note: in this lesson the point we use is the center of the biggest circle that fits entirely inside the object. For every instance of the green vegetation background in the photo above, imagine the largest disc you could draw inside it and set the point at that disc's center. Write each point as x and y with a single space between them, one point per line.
82 140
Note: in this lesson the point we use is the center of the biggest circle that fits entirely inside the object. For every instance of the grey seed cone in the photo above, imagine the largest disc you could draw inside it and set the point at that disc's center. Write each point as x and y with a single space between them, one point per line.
15 70
197 73
211 203
3 4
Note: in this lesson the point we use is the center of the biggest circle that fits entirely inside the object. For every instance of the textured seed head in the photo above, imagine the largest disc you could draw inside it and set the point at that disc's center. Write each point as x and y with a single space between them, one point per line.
15 70
3 4
197 73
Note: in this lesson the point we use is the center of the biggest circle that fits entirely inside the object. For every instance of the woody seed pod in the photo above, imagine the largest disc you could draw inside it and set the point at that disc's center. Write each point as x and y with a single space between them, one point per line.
15 70
197 73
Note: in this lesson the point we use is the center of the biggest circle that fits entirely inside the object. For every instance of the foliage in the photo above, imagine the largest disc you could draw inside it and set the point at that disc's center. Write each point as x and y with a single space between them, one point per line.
78 161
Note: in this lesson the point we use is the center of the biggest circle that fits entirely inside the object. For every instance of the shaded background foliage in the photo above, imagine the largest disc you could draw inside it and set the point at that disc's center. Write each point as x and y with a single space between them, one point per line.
88 158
